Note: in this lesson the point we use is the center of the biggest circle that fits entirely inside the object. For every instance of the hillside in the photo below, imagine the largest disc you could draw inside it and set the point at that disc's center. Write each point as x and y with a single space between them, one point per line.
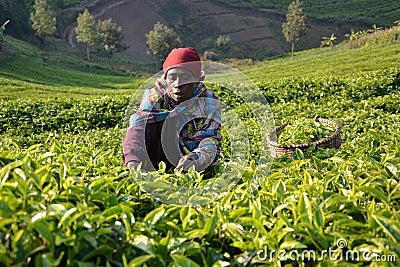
253 26
254 30
24 68
321 63
382 13
67 200
28 72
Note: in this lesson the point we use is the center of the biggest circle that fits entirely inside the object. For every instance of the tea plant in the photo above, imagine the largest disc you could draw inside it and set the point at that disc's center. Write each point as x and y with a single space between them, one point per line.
66 199
304 131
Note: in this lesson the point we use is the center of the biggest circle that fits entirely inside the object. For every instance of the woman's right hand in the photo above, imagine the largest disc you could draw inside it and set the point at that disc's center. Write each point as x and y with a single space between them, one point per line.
132 165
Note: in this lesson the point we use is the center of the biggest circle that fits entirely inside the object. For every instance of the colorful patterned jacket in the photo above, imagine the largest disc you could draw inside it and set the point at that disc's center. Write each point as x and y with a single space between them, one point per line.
199 118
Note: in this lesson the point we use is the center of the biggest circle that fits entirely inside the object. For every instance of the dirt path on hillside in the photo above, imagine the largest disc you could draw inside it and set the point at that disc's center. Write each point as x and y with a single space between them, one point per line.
201 22
137 17
69 34
144 11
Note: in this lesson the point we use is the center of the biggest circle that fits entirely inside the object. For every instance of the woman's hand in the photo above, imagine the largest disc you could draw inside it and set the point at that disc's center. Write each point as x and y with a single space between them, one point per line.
187 161
132 165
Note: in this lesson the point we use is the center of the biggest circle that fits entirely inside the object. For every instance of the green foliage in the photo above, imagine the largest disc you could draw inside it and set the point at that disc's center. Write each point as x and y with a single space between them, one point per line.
67 77
352 36
3 27
380 12
110 37
223 43
295 26
66 200
105 34
374 37
2 30
303 131
326 64
328 41
18 12
86 31
43 19
210 55
57 5
222 46
160 41
67 115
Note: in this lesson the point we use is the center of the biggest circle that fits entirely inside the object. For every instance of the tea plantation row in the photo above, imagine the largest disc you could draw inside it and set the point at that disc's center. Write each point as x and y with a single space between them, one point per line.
65 198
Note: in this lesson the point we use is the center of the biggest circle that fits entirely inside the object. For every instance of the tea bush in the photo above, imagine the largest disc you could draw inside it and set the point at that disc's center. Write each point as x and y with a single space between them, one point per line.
66 200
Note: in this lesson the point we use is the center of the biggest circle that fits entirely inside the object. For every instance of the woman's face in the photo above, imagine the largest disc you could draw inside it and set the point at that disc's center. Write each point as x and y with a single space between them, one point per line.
181 84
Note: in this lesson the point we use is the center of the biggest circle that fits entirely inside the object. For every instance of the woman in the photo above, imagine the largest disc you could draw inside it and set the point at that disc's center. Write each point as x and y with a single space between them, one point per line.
178 121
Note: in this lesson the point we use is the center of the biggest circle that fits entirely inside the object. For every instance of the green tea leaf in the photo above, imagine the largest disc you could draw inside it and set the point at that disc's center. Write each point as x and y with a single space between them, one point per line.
139 261
5 221
154 216
305 209
317 237
144 243
43 228
65 216
390 227
48 260
182 261
292 244
375 192
210 225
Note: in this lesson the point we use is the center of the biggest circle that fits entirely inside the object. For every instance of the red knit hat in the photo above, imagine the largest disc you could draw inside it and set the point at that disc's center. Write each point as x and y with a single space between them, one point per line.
187 58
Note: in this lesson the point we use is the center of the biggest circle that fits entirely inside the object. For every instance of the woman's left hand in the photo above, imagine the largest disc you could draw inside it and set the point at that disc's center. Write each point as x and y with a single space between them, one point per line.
187 161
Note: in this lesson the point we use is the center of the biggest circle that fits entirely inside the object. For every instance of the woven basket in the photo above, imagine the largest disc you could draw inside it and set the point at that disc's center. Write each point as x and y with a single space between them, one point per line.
332 141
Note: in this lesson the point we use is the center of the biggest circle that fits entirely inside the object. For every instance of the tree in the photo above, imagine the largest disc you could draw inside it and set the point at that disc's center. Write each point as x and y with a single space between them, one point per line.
110 37
375 28
160 41
19 13
43 20
352 36
328 41
86 31
210 55
223 43
295 26
2 30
